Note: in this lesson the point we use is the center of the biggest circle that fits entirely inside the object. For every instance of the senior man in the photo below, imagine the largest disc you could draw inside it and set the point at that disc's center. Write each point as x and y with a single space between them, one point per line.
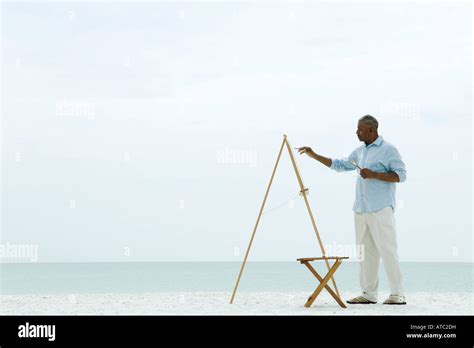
381 167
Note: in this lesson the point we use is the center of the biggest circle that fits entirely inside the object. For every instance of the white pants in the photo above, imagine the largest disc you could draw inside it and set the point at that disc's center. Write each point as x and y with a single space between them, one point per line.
375 233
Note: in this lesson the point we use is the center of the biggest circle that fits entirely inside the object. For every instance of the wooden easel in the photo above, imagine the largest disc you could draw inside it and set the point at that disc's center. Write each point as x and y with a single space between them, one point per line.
303 192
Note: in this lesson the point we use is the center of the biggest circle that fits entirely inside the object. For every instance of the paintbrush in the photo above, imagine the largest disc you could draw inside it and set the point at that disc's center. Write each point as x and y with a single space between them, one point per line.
355 164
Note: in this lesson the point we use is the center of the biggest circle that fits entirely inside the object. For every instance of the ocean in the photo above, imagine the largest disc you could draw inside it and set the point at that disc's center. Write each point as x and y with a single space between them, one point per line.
75 278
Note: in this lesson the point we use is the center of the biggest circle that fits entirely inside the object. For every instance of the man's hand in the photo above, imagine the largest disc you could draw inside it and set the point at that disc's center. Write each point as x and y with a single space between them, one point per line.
307 150
367 174
387 177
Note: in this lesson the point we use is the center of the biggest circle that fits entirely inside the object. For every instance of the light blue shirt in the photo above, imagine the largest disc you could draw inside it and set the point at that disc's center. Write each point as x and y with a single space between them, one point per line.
381 157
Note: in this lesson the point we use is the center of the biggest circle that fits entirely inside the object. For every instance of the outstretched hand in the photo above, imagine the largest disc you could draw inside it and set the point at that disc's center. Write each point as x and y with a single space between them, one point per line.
305 149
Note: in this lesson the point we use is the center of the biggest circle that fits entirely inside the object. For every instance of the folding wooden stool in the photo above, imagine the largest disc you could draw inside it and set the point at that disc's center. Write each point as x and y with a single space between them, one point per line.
323 282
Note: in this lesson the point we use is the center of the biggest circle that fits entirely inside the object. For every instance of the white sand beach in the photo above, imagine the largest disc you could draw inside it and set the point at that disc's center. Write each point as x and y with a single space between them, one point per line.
217 303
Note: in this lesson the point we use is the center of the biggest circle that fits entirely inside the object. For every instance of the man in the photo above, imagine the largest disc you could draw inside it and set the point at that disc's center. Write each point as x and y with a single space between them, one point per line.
381 167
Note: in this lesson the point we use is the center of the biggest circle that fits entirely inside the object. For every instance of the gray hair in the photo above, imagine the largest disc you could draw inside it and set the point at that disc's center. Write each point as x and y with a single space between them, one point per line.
369 120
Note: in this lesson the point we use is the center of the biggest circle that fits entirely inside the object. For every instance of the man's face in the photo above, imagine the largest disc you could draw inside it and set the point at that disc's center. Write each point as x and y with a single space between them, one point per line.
364 132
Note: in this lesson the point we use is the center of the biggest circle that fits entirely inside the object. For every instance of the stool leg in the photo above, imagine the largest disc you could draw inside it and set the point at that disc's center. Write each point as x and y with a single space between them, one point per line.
320 287
327 287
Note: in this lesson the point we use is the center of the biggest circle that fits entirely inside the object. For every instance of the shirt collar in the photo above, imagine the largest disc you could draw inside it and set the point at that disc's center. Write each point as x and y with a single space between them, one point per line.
376 142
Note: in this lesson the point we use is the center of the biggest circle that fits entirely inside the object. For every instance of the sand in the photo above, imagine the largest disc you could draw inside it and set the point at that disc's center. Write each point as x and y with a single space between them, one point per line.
217 303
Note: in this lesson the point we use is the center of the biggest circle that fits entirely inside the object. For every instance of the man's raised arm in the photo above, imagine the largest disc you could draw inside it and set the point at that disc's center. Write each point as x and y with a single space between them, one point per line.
339 165
307 150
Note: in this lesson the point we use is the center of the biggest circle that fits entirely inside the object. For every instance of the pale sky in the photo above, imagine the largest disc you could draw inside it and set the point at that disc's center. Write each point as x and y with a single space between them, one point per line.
148 131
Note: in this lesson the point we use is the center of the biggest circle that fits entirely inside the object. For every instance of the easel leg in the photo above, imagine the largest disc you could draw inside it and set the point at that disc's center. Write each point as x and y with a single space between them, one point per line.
258 220
313 222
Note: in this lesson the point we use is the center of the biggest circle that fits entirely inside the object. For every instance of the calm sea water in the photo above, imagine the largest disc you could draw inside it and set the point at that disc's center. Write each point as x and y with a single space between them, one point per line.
55 278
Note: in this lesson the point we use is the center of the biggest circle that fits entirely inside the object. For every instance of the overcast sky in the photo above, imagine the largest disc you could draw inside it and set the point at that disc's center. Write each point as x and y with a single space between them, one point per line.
148 131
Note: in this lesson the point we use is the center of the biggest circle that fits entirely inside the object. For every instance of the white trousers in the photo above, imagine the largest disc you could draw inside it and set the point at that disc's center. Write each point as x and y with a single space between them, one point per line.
376 235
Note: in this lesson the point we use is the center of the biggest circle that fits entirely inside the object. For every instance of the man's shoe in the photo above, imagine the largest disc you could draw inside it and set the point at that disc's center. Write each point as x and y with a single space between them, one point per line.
360 300
395 300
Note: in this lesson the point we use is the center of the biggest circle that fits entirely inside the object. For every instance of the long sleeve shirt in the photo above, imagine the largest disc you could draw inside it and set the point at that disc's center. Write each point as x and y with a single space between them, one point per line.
379 156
